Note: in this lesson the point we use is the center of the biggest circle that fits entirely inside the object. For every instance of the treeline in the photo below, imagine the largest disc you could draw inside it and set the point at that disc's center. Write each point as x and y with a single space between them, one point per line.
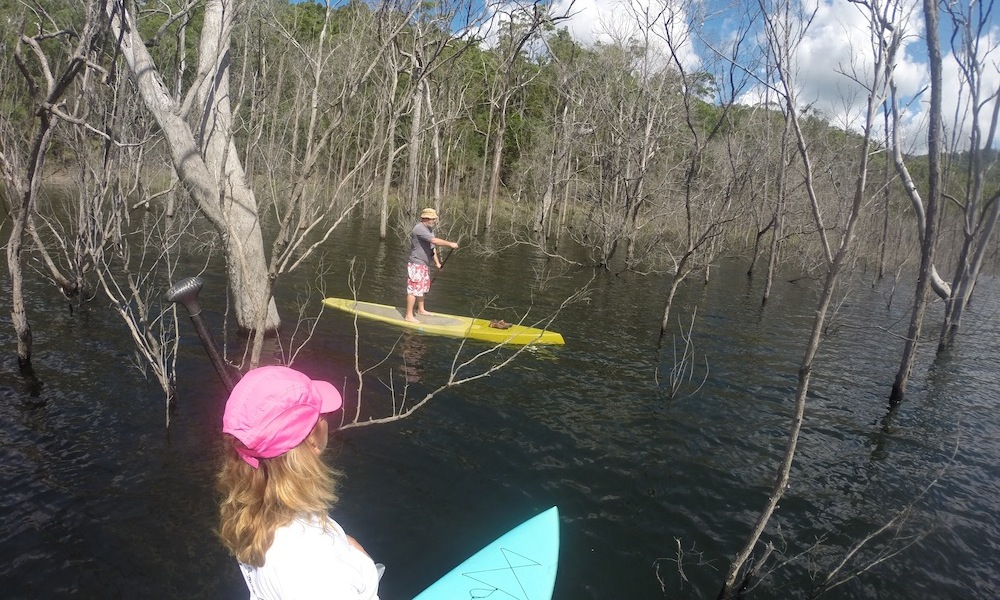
237 114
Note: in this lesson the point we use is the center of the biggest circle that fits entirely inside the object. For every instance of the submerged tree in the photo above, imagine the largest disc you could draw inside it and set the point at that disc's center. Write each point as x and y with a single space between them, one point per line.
48 78
975 50
964 185
715 161
200 136
927 218
783 31
519 27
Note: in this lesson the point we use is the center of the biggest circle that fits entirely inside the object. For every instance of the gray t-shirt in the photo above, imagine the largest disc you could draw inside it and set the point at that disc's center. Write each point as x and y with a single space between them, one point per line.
421 250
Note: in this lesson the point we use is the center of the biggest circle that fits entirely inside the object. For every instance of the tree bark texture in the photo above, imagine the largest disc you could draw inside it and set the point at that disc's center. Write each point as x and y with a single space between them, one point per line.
929 240
208 166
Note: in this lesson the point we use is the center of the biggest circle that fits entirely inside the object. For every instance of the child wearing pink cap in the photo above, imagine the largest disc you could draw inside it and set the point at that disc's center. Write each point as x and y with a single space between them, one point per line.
277 492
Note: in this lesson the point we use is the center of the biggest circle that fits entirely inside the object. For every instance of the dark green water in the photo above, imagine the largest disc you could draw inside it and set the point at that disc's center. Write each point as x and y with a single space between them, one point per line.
100 501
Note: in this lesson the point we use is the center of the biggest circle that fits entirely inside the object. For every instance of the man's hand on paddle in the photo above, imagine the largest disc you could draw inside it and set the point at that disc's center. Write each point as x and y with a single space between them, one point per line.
439 242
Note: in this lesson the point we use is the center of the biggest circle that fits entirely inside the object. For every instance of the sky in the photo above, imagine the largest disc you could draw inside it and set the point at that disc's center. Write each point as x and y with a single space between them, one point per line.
833 45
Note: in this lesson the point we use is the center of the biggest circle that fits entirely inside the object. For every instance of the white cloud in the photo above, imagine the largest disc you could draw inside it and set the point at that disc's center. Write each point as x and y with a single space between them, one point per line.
832 61
836 51
955 96
585 22
592 22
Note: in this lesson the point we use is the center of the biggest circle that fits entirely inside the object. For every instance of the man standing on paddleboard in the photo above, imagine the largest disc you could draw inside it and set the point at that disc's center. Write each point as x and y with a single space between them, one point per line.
423 252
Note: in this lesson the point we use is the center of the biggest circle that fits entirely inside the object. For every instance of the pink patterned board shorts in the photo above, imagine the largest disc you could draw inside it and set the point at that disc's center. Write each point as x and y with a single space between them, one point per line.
419 279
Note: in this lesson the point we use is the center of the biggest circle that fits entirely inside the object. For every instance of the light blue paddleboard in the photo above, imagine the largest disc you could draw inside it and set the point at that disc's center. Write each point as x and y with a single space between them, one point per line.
519 565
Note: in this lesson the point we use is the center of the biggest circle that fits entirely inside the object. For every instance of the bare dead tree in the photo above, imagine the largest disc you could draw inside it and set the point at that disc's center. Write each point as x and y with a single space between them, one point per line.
926 216
84 233
975 51
207 163
780 201
47 89
710 202
133 250
519 25
782 33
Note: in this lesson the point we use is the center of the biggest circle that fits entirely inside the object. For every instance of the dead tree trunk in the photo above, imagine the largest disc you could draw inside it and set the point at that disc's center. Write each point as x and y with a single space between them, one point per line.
929 240
208 166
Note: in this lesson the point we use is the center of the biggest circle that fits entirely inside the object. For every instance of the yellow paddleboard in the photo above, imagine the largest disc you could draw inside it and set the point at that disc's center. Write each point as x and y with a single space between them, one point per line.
449 325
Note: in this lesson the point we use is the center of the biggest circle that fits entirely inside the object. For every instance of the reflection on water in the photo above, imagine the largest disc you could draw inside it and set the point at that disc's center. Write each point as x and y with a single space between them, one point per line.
100 501
412 348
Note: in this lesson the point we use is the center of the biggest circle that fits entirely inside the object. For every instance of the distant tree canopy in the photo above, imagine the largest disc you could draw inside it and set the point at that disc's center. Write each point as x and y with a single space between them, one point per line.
378 109
558 80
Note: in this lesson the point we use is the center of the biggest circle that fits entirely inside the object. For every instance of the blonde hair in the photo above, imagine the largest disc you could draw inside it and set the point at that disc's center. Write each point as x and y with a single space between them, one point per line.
255 502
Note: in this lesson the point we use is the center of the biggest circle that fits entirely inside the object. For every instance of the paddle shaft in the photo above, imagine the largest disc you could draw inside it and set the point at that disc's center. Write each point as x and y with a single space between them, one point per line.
186 292
450 250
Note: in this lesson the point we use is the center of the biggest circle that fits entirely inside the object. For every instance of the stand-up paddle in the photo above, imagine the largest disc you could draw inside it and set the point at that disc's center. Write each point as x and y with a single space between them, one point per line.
185 292
450 250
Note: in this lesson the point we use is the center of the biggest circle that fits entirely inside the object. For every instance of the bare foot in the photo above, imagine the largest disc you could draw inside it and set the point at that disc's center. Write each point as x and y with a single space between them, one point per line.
411 319
425 313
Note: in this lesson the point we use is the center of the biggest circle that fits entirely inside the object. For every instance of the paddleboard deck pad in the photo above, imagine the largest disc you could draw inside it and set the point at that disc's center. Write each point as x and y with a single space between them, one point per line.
519 565
448 325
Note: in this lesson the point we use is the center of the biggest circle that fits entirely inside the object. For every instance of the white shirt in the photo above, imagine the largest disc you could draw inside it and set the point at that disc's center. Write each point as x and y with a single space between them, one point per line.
308 561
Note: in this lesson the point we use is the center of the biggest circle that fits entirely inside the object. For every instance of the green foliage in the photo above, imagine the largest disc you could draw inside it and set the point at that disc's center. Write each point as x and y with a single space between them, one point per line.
304 20
162 31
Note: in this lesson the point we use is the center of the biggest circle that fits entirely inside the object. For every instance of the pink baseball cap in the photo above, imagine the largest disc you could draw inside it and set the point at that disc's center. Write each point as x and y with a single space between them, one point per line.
272 409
